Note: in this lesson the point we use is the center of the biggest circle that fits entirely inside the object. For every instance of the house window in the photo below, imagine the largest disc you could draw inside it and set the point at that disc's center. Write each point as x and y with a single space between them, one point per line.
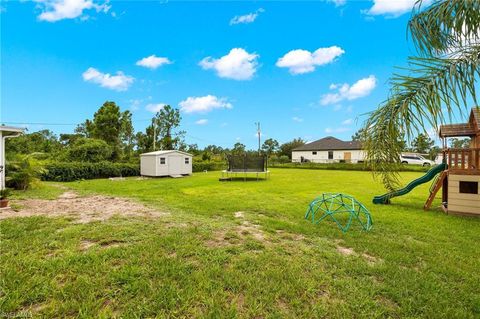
468 187
330 154
162 160
314 153
187 160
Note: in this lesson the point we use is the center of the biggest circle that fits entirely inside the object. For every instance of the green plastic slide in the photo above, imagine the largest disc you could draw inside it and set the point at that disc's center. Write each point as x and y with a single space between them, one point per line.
385 198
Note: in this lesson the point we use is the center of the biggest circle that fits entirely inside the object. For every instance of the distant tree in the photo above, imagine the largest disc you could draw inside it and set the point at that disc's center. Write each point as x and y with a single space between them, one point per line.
434 152
85 129
69 139
90 150
145 140
127 134
216 150
422 144
193 149
43 141
270 146
359 135
206 156
166 120
286 148
238 148
284 159
460 143
112 126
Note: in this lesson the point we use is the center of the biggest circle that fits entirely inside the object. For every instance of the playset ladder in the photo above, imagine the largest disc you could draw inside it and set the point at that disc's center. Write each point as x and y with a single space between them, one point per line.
434 189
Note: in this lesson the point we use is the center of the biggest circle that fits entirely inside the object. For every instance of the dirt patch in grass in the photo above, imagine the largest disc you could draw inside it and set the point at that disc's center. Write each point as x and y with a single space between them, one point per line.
239 215
112 243
237 235
371 260
81 209
85 245
345 251
289 236
388 303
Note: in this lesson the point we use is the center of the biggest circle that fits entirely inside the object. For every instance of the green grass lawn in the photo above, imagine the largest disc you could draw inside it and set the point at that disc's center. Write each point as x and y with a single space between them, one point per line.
203 261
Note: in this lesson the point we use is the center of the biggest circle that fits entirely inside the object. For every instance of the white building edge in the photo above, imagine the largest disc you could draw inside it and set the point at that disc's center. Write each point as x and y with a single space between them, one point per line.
6 132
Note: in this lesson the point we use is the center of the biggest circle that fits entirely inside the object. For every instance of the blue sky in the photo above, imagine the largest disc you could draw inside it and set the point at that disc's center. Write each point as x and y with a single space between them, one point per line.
301 69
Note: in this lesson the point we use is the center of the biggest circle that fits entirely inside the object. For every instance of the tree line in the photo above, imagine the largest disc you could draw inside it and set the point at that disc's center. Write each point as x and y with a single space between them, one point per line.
110 136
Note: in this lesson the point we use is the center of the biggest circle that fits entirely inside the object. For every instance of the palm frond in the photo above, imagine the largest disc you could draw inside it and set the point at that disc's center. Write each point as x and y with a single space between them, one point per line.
434 88
444 25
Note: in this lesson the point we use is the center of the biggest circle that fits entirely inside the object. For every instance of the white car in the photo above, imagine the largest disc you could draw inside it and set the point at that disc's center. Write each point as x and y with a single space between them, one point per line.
415 159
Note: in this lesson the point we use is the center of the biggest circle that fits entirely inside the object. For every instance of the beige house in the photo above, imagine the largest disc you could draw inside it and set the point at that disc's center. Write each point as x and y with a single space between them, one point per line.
166 163
329 150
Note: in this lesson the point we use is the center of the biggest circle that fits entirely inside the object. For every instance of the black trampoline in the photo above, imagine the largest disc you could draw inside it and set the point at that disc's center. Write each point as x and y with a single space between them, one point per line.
244 166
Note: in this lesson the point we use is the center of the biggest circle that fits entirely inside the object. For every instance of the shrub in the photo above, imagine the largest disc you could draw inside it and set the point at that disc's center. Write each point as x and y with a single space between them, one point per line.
4 193
90 150
208 166
284 159
66 172
23 171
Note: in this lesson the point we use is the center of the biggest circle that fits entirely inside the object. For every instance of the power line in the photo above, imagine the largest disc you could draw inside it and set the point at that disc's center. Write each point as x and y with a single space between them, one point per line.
71 124
37 123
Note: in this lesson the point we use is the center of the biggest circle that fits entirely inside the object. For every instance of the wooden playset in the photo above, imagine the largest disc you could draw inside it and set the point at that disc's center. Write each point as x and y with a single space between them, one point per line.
460 179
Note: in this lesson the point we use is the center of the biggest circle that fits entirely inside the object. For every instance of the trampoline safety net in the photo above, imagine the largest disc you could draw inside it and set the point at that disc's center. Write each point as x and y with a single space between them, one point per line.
243 163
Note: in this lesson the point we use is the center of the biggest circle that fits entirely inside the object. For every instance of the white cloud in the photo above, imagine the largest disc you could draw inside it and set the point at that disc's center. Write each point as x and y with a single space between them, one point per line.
393 8
238 64
347 122
247 18
338 3
337 107
56 10
154 107
359 89
201 122
118 82
153 62
302 61
329 130
135 104
297 119
203 104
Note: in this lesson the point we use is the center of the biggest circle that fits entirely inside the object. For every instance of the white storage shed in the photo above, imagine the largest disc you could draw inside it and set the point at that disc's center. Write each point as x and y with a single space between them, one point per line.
166 163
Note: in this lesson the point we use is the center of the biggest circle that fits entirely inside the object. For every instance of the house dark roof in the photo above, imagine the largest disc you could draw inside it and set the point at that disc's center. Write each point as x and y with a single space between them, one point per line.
329 143
471 128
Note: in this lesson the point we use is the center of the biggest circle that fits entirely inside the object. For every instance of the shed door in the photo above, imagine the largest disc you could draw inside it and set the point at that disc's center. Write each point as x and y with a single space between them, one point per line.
175 166
347 156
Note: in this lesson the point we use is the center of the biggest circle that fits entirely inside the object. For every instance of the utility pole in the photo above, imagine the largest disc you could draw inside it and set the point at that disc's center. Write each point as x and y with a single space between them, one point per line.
259 134
154 133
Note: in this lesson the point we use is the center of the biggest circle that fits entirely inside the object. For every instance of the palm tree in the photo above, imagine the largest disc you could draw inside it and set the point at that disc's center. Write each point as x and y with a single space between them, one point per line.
439 81
24 171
